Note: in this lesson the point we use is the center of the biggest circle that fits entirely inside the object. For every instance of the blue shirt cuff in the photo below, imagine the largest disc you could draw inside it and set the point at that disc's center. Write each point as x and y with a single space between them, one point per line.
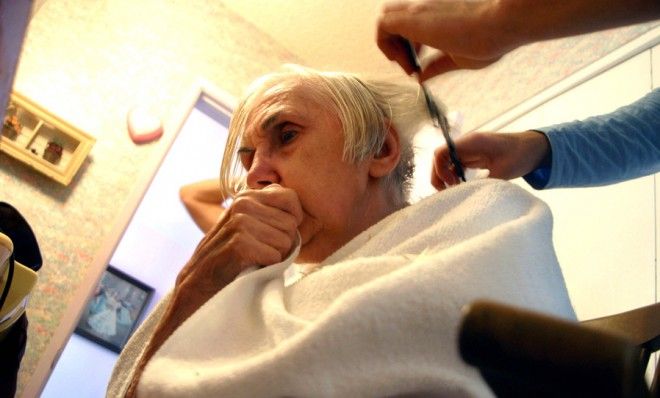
538 178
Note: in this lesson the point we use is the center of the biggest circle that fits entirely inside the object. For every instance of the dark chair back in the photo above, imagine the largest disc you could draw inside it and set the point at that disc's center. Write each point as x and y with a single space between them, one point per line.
525 353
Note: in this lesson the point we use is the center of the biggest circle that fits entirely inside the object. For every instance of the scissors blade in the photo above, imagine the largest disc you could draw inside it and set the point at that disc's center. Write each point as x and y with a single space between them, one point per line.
440 121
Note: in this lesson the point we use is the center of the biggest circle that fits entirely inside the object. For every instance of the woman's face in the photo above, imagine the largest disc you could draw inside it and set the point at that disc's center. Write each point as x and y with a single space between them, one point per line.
293 140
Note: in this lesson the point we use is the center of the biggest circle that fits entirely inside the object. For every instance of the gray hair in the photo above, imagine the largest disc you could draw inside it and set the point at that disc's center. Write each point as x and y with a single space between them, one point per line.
364 107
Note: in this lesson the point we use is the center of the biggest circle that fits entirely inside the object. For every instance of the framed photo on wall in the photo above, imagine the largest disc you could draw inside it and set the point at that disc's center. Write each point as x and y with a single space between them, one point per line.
114 309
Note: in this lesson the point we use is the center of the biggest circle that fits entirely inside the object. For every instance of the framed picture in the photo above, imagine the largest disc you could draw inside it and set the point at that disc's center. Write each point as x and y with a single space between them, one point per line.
112 312
43 141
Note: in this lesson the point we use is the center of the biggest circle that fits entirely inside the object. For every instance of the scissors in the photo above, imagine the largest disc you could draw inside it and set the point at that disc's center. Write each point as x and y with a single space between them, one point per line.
438 118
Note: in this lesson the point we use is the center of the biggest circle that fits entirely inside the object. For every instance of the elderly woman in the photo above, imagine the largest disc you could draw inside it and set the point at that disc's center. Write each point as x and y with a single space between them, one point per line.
320 279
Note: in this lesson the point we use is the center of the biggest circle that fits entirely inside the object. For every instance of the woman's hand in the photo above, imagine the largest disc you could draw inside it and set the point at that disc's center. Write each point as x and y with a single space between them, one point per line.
471 34
468 34
258 229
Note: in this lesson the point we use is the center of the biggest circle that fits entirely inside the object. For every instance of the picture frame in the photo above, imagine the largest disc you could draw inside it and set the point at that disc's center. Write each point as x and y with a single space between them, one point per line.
114 309
43 141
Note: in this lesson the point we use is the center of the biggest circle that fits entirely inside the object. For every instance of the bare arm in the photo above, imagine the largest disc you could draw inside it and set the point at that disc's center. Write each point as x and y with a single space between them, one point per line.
561 18
203 200
472 34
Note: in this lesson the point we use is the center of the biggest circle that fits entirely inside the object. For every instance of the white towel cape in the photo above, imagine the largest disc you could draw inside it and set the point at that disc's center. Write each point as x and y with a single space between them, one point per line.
380 316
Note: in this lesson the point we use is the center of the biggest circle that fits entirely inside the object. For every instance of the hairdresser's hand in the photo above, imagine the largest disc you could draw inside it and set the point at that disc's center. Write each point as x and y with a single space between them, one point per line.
467 33
506 156
471 34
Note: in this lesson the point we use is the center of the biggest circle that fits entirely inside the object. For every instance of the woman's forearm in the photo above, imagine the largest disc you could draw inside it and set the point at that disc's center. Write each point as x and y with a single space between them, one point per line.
195 285
526 21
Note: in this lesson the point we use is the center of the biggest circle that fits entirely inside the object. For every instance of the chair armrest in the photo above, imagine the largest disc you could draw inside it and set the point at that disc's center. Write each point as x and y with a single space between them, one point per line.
641 325
520 351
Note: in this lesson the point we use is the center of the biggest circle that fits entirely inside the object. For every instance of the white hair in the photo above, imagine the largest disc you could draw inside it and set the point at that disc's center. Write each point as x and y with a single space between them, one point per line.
366 108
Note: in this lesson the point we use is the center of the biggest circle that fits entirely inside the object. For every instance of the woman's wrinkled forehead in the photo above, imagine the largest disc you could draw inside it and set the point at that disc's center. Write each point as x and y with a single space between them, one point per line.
266 105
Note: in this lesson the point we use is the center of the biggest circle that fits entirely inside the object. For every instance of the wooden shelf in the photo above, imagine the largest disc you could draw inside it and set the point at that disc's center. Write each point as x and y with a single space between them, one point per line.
43 141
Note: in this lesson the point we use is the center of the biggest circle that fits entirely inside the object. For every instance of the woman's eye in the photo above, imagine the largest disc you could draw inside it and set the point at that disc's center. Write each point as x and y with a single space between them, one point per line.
246 158
287 136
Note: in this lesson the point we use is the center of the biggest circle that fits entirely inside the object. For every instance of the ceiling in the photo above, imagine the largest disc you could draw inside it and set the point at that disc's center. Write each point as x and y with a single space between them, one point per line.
324 34
327 35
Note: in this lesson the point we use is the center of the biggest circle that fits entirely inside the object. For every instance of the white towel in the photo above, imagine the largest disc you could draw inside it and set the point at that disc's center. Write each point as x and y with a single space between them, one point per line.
380 316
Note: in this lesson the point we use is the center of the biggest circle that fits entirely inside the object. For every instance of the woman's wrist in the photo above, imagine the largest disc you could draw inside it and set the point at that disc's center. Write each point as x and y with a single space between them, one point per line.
537 150
511 19
525 21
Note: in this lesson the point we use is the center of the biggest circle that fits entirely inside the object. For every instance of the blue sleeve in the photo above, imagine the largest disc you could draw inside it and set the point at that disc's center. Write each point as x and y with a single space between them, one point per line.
603 149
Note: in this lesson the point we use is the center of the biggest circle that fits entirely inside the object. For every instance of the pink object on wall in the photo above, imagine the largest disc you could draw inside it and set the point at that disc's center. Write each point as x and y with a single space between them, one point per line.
143 126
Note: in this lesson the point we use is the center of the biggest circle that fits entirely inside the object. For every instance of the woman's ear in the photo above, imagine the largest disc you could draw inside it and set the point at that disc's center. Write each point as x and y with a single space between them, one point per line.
387 158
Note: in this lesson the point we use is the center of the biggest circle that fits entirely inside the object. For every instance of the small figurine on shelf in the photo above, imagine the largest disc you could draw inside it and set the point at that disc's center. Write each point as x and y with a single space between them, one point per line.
53 152
11 127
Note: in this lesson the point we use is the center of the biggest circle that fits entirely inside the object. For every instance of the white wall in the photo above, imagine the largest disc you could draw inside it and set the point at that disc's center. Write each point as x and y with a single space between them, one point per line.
157 243
605 236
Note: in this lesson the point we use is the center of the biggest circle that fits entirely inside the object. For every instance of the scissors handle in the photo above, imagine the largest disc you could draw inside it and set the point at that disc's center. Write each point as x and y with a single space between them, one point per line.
412 56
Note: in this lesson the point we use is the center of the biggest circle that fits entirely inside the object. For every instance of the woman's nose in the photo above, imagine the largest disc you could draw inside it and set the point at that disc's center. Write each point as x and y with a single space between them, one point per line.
262 173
